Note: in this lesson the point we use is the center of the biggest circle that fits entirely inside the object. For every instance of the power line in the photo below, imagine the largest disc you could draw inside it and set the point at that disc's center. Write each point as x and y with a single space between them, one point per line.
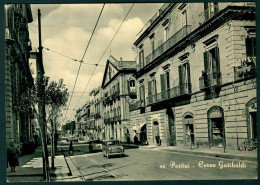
105 52
76 60
84 56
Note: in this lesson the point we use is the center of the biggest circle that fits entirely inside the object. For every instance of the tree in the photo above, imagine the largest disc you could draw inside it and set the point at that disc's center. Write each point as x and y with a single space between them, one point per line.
56 98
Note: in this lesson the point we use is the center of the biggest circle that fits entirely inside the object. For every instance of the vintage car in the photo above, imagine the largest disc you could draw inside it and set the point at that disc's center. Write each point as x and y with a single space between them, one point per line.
95 145
73 139
112 147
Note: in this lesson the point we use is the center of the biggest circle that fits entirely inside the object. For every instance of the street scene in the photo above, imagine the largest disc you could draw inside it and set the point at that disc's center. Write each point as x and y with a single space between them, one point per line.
131 91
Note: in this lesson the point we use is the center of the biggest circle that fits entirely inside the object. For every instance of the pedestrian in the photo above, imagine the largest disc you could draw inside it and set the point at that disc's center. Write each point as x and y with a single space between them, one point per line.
157 138
135 140
71 147
12 156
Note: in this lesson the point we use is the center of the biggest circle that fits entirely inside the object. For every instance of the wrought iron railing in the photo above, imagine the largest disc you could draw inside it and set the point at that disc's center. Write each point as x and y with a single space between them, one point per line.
210 80
185 30
170 93
208 13
134 106
246 70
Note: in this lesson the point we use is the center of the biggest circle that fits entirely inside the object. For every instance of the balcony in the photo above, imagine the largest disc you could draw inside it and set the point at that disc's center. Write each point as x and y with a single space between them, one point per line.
134 106
117 118
174 92
210 80
184 31
208 13
246 70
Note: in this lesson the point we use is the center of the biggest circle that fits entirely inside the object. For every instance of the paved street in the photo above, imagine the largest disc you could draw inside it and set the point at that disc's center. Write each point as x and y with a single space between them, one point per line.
158 165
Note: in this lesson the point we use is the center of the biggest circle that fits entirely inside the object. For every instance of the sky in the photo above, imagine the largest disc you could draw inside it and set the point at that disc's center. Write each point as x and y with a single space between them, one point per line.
66 28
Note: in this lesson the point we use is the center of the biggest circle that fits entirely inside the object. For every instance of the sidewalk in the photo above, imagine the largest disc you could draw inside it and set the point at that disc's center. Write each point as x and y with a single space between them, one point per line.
30 168
211 152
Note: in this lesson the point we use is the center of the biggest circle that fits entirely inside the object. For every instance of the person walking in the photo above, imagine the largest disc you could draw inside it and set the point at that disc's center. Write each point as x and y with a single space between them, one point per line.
12 156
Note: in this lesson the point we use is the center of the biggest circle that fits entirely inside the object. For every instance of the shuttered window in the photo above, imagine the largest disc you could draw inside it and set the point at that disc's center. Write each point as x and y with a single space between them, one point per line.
212 61
162 77
167 76
149 88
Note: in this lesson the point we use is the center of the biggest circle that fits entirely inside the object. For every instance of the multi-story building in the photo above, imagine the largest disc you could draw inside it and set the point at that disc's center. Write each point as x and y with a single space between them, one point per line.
196 76
116 97
99 130
18 78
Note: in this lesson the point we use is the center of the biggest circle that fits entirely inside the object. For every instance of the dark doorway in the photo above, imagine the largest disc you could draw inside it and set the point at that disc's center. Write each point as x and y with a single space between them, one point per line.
172 132
143 134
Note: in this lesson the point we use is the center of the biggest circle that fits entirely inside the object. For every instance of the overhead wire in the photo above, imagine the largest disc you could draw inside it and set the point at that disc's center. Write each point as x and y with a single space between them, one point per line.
76 60
104 53
84 56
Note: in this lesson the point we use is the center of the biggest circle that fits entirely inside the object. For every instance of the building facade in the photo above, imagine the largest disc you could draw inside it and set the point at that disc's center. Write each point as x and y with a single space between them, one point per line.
196 76
116 100
19 109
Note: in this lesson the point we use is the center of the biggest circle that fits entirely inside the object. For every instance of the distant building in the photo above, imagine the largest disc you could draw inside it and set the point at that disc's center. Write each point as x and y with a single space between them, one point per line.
20 112
115 87
196 76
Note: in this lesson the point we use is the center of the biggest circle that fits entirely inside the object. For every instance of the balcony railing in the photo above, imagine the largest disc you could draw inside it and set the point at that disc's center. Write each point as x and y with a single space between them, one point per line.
246 70
185 30
210 80
134 106
184 89
208 13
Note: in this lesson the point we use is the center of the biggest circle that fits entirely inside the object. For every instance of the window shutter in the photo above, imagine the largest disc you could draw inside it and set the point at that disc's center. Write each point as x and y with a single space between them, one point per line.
181 81
189 79
128 86
140 93
162 82
206 61
217 60
149 88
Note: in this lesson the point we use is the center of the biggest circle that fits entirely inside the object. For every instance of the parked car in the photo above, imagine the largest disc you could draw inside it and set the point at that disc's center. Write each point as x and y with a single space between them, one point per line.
73 139
112 147
95 145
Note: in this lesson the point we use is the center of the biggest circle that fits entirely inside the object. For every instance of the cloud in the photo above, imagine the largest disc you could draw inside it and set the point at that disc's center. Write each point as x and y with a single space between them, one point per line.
67 29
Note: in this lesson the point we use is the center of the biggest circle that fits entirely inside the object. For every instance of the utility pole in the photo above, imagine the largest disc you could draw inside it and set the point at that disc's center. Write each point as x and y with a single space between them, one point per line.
41 103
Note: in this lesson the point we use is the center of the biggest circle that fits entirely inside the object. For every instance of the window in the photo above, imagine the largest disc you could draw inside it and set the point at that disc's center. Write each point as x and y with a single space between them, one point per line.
152 44
166 33
165 81
141 58
184 18
211 61
152 90
251 47
142 95
184 78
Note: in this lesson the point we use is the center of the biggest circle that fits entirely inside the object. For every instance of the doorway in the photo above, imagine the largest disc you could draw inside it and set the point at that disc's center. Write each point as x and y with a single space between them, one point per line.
156 133
189 130
216 127
143 134
172 131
